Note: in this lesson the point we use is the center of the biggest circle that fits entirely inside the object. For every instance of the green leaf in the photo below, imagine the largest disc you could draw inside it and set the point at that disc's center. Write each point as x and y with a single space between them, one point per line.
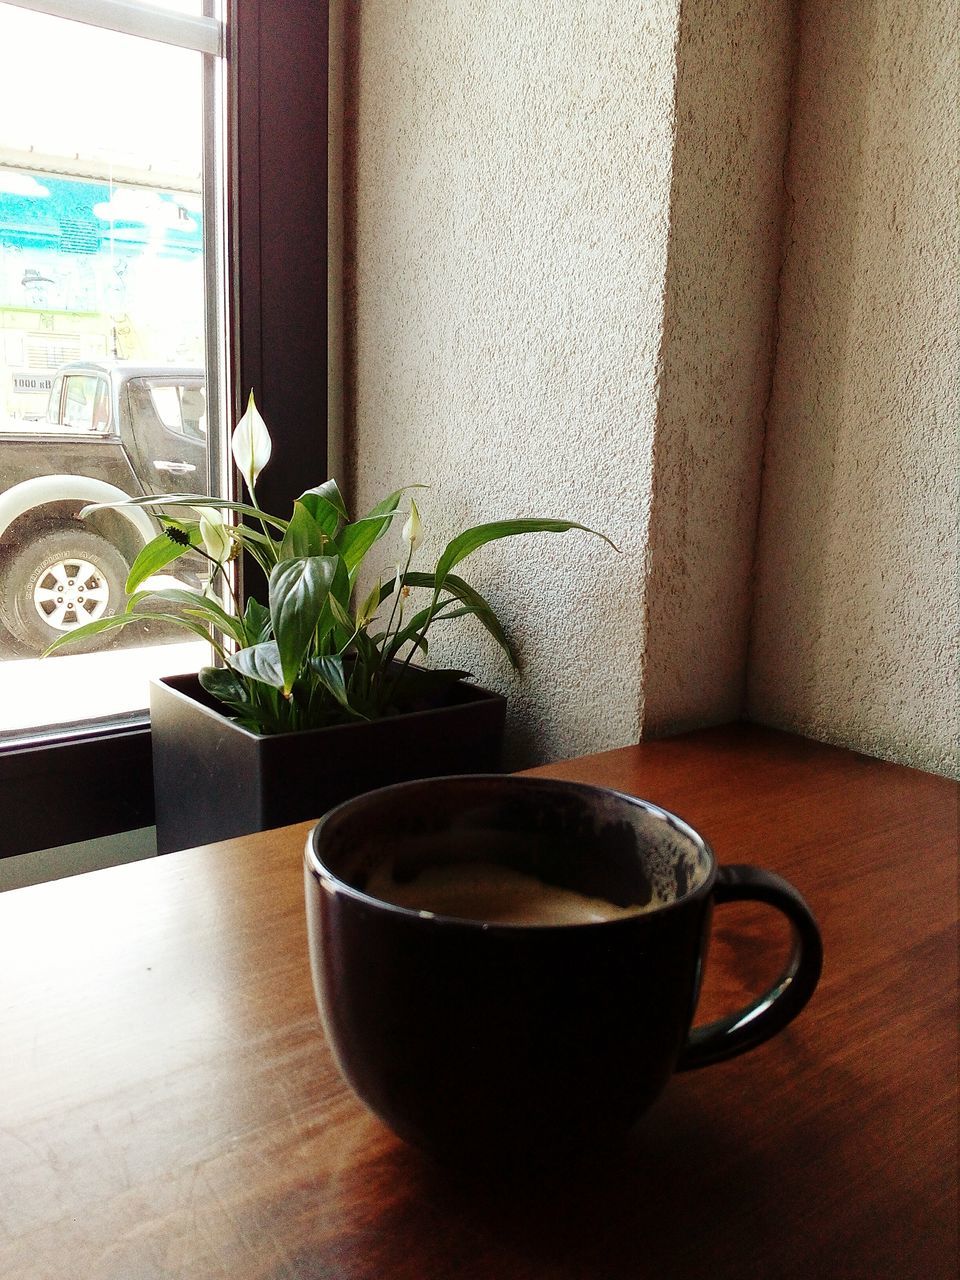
91 629
198 606
269 710
369 607
257 626
265 550
304 536
260 662
410 634
159 553
331 674
298 592
116 620
335 620
424 685
325 504
254 537
340 587
339 613
224 684
464 544
357 538
390 643
189 500
368 660
472 599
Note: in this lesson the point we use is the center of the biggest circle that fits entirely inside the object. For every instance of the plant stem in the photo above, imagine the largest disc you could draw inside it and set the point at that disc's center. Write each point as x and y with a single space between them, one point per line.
398 584
263 525
435 614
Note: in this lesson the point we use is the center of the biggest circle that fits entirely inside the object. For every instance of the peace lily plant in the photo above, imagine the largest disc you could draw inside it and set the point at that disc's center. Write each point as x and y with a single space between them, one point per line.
313 655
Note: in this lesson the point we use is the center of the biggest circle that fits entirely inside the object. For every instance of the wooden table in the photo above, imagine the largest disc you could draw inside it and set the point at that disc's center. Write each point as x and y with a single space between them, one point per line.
168 1107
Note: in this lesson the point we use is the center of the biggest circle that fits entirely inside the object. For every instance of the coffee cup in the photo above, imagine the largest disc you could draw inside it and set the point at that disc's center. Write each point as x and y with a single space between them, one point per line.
512 963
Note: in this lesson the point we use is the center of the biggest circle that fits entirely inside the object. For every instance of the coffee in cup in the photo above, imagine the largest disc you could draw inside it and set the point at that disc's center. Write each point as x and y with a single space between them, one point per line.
488 891
469 992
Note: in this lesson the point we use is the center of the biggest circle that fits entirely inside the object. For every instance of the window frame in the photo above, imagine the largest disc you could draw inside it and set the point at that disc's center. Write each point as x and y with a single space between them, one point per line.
277 94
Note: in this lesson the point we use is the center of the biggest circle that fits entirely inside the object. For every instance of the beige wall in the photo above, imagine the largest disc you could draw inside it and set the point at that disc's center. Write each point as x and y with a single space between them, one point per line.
856 627
514 164
571 261
519 169
726 208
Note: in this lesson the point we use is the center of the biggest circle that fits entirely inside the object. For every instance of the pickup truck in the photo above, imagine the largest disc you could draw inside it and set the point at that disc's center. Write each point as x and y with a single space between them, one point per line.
112 430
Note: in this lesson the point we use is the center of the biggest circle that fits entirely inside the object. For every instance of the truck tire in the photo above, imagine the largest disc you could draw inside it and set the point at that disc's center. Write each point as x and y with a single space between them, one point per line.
56 582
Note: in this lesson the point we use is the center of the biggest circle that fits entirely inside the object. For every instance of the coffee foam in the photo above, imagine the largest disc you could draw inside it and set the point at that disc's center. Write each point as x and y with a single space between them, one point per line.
491 893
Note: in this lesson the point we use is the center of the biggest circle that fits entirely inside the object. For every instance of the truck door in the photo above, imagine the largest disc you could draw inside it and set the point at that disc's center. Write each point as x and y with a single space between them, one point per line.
167 418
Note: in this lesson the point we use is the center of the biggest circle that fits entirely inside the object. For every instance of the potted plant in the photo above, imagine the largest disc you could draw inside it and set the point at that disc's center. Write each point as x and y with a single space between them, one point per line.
317 696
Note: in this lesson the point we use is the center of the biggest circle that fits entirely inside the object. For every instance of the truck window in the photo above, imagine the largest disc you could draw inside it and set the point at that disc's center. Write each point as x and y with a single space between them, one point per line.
53 404
85 403
181 408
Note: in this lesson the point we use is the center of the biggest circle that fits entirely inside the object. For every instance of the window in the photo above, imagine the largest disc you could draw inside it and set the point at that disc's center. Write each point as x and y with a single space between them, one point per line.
84 403
109 258
181 407
275 74
171 412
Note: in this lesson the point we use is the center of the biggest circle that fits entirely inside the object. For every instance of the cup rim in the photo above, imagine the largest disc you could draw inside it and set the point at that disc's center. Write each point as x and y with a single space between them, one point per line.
333 883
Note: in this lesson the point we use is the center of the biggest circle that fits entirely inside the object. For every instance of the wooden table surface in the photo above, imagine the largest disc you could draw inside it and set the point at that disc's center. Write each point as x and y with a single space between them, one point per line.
168 1107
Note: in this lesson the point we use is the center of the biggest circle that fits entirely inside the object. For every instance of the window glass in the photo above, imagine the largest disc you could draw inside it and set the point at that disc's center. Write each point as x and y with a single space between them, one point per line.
194 7
103 263
54 404
80 394
181 407
166 401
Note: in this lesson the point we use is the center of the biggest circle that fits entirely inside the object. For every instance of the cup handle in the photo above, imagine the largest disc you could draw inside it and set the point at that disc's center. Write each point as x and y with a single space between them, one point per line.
770 1012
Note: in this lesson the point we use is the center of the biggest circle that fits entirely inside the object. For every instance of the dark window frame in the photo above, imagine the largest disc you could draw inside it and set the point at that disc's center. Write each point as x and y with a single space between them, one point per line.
277 74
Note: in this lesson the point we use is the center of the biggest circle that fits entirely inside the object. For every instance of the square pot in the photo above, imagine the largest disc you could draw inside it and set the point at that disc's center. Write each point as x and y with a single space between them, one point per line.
213 779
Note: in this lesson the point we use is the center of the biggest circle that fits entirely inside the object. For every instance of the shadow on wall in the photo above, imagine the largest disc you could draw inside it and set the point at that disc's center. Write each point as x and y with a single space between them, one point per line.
839 440
727 210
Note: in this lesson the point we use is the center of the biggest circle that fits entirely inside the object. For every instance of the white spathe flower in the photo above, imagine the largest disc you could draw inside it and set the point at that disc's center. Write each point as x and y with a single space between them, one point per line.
412 531
215 534
251 444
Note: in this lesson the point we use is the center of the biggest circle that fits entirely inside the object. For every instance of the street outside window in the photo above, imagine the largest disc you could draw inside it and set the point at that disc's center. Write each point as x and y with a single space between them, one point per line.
106 313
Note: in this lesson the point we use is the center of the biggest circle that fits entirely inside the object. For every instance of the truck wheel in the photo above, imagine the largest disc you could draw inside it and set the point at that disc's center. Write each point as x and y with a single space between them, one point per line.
57 582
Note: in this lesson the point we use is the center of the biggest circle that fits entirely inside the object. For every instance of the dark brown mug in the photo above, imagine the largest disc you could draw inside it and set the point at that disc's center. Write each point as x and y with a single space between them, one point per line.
468 1035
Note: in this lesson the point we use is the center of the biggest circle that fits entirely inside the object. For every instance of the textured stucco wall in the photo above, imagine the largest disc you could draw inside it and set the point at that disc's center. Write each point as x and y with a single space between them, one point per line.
734 69
513 166
856 624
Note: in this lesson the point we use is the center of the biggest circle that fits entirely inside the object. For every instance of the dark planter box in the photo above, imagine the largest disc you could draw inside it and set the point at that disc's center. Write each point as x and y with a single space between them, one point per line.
213 779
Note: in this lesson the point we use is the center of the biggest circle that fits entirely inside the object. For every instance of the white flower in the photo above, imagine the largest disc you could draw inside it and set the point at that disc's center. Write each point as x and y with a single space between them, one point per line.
412 530
251 444
215 534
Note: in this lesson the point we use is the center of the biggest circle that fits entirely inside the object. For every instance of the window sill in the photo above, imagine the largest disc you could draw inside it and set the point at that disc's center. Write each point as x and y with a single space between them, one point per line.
60 788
